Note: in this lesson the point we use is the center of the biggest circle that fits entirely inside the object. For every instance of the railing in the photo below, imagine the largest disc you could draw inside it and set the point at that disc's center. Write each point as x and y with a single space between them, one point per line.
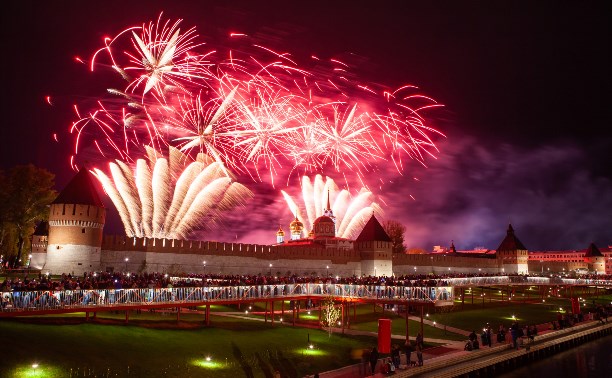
26 301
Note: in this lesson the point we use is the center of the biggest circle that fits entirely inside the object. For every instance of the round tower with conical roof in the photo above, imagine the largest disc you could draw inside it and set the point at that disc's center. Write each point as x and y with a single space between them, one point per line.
595 259
76 221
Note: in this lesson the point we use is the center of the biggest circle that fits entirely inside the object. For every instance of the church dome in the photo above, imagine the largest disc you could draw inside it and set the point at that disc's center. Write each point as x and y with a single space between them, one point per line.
324 226
280 231
296 226
323 219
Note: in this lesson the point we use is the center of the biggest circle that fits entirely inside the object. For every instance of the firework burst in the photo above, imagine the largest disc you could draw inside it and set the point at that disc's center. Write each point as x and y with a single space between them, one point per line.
250 107
350 213
171 197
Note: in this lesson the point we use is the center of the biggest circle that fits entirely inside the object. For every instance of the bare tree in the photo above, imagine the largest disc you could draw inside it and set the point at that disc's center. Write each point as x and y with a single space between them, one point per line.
396 231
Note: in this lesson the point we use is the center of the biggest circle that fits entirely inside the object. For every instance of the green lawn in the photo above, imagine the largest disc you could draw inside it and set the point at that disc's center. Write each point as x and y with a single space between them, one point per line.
235 347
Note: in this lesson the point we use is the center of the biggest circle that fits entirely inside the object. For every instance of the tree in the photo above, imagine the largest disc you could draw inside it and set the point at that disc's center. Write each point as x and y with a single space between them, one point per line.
330 314
396 231
25 195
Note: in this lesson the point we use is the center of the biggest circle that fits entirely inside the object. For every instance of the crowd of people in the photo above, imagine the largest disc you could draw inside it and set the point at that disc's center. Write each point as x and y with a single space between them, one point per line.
119 280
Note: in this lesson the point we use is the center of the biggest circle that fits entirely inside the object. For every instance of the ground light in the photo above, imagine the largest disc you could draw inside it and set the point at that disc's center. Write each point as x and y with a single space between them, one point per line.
209 363
37 370
311 350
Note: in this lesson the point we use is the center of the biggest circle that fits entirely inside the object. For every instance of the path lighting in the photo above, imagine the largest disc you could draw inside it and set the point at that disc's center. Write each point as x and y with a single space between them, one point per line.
327 267
281 320
126 261
311 346
208 359
246 312
270 269
34 365
204 263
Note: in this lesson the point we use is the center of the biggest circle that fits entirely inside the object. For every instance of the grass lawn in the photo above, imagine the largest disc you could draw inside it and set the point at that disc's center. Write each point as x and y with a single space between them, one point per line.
235 347
367 320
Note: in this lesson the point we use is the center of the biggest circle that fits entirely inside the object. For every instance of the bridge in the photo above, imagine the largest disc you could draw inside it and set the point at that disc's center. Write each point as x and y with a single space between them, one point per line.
415 293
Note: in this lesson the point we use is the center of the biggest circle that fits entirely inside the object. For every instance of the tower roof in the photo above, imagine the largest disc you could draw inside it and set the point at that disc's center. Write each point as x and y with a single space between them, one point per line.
80 191
373 231
511 242
593 251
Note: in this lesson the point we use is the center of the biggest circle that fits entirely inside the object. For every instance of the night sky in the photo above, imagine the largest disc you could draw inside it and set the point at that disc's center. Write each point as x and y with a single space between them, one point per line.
524 86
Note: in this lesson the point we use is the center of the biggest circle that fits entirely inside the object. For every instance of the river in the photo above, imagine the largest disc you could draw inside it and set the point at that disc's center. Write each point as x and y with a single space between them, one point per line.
590 360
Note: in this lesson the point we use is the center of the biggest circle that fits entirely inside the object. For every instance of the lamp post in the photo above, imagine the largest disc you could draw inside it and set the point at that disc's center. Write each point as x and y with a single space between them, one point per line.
375 272
204 263
270 270
327 267
126 261
29 261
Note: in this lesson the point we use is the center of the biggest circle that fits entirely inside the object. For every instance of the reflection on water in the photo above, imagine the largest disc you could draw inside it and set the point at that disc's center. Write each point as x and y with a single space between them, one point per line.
590 360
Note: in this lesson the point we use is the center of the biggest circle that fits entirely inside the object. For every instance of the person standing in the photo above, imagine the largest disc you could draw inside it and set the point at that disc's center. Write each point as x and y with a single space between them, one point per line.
408 351
373 360
489 336
419 352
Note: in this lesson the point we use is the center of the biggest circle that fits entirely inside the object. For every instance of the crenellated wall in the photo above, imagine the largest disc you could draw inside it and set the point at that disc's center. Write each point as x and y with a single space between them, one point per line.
175 256
441 264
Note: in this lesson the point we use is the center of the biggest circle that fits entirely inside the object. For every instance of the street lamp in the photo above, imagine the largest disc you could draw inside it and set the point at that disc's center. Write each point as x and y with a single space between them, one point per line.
270 270
126 261
327 267
375 272
204 262
29 261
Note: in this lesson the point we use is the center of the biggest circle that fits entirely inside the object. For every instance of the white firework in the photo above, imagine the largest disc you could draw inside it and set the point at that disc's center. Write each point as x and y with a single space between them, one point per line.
351 213
171 197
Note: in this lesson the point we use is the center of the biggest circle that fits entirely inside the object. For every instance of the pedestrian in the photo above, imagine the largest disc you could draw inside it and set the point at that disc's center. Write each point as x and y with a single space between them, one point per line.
514 332
373 360
408 351
419 352
395 354
489 336
419 339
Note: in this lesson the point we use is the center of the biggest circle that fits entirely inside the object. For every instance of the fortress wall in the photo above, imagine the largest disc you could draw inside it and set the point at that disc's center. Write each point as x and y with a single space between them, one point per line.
535 266
75 259
440 264
222 264
176 256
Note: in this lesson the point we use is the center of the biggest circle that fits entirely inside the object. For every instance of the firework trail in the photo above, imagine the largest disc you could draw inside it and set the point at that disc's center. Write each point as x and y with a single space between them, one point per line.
171 197
250 108
239 108
350 214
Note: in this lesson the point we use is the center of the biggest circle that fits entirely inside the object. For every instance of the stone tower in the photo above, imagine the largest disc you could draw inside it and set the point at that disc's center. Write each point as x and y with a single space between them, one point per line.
595 259
375 248
512 255
76 220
